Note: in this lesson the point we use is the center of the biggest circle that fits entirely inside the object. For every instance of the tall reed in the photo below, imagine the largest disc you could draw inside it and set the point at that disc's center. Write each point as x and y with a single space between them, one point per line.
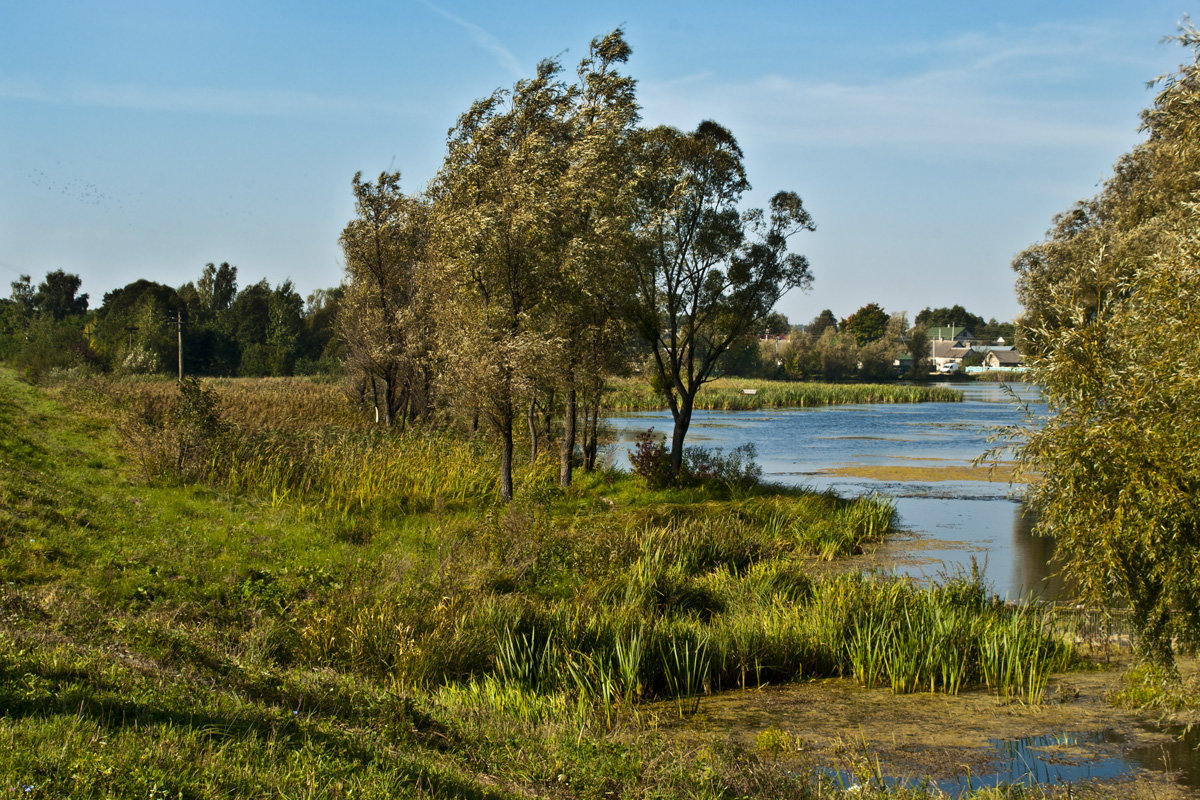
731 394
348 470
685 668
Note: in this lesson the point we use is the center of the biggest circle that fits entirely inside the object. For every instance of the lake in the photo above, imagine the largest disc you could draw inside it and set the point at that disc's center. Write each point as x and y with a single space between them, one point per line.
918 454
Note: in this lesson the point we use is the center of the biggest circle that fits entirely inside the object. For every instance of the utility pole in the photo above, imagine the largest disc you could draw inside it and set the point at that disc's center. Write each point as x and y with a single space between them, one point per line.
131 329
179 338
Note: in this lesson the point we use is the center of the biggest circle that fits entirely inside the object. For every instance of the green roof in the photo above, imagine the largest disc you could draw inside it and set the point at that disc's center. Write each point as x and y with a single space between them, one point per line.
946 332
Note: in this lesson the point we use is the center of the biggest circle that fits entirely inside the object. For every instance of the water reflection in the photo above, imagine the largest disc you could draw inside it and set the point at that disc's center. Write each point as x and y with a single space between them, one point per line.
954 522
1062 758
1181 754
1035 566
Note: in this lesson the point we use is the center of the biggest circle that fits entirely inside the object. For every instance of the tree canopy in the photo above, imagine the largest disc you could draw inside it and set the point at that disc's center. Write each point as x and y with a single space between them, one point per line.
385 315
866 325
955 316
705 273
822 321
1112 306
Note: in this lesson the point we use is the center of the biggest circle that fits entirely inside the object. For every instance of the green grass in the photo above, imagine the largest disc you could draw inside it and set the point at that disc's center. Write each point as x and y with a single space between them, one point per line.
205 634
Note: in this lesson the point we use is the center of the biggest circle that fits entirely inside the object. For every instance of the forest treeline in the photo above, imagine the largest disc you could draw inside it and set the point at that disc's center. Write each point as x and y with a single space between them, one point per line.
258 330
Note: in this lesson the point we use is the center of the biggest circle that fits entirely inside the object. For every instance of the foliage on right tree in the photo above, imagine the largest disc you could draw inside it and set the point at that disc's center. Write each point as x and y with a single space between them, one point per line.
1112 307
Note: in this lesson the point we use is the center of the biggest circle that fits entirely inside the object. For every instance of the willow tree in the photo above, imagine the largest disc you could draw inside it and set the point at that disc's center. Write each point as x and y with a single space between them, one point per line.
590 281
1112 306
385 314
533 208
704 273
499 236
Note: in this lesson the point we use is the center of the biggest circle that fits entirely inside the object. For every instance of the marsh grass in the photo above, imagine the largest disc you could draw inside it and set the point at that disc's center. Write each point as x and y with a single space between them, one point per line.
1151 687
729 394
349 471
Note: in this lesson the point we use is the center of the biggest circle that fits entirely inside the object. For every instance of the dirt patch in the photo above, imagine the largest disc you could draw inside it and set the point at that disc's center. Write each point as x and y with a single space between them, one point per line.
941 737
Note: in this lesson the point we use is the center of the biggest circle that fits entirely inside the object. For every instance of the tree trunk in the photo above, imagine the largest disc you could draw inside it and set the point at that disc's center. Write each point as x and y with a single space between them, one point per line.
683 418
591 433
506 460
547 419
389 401
531 420
404 410
566 451
374 396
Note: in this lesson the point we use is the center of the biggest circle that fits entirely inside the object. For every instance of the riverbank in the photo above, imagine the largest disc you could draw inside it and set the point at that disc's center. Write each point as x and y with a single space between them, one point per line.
178 622
922 456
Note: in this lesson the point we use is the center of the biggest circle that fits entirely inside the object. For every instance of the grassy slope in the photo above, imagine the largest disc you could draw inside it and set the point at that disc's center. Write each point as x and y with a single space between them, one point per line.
129 661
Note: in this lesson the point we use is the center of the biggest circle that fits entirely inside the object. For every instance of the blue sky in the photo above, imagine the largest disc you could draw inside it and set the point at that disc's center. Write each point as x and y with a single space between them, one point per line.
931 140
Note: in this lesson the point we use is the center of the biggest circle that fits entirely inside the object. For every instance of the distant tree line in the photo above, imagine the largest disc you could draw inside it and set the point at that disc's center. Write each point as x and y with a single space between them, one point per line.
870 345
255 331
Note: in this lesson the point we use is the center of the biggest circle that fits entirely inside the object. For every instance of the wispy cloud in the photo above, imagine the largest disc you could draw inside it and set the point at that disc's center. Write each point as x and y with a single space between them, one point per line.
12 268
917 112
481 38
983 94
1045 48
197 100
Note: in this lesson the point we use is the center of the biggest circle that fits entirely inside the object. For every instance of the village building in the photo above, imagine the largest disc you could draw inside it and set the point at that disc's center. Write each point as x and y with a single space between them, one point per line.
1003 359
945 352
960 336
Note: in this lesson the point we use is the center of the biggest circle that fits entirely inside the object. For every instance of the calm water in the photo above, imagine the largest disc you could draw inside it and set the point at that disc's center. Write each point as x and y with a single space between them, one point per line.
1033 760
950 522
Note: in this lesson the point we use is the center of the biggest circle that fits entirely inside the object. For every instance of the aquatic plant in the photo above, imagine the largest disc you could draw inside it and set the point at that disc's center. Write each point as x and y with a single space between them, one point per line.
685 668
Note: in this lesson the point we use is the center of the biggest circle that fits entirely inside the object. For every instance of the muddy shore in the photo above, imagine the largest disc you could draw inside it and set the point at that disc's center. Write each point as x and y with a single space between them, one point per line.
944 738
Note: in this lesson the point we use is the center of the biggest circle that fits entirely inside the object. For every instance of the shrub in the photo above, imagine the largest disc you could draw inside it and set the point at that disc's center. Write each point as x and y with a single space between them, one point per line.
650 459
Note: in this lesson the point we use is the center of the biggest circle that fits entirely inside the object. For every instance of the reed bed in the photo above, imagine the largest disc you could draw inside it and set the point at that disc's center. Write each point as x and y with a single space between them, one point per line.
286 403
297 441
730 394
256 403
881 632
348 471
